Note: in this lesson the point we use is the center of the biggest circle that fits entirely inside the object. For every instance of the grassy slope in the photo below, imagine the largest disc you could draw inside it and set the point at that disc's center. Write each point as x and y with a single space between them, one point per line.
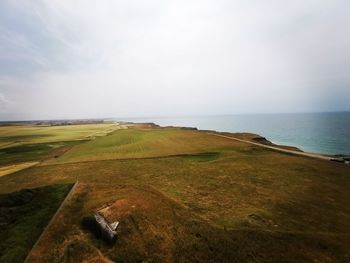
35 143
142 143
5 170
18 135
34 152
156 228
23 215
234 201
38 134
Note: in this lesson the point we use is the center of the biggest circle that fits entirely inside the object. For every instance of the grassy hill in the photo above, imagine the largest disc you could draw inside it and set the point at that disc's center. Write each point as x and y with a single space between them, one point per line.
188 196
144 143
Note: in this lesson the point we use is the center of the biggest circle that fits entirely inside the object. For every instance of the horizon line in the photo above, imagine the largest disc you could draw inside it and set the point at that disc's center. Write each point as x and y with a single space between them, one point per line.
168 116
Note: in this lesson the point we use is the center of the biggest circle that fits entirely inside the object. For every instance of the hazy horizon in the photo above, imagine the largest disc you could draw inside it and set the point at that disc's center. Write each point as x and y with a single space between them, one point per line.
121 118
82 59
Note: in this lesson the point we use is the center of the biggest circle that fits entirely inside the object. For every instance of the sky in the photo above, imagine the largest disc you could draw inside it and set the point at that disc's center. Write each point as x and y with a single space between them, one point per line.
63 59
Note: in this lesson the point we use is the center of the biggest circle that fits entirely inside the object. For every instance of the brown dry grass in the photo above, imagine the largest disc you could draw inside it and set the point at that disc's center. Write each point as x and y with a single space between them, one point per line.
158 229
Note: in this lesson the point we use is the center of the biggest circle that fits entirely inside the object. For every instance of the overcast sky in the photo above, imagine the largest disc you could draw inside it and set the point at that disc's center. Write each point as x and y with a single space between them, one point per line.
88 59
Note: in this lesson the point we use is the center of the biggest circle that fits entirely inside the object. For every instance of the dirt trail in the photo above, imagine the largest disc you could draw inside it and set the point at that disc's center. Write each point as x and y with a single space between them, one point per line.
311 155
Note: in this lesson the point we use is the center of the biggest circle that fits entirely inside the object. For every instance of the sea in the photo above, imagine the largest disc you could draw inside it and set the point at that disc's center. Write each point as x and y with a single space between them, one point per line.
324 133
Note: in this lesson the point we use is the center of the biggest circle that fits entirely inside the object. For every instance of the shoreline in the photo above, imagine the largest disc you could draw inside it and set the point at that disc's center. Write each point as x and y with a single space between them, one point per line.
265 143
321 133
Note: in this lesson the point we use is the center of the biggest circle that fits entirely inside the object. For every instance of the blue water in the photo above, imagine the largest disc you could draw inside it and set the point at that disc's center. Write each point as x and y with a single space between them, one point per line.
326 133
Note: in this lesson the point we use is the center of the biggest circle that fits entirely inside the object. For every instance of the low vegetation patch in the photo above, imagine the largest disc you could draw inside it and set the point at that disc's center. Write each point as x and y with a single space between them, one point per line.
23 216
202 157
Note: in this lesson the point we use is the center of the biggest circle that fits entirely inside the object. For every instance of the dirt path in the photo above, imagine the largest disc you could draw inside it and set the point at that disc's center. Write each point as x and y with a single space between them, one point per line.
311 155
51 222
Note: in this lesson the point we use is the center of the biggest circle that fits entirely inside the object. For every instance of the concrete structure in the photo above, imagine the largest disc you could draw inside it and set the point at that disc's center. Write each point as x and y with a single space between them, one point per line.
108 229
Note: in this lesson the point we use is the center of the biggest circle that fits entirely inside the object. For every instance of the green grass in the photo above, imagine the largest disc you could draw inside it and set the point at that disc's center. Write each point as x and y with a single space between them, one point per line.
143 143
22 138
32 152
34 143
23 215
25 134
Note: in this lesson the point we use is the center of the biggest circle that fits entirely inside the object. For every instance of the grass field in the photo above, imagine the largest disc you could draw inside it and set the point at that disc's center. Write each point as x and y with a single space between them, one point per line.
23 216
5 170
25 134
144 143
188 196
37 143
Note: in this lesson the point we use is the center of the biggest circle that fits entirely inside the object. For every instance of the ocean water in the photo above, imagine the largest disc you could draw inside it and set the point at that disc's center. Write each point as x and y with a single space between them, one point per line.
325 133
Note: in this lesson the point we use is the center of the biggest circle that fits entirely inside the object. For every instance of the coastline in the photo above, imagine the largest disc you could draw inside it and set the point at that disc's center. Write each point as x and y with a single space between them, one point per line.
258 140
320 133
